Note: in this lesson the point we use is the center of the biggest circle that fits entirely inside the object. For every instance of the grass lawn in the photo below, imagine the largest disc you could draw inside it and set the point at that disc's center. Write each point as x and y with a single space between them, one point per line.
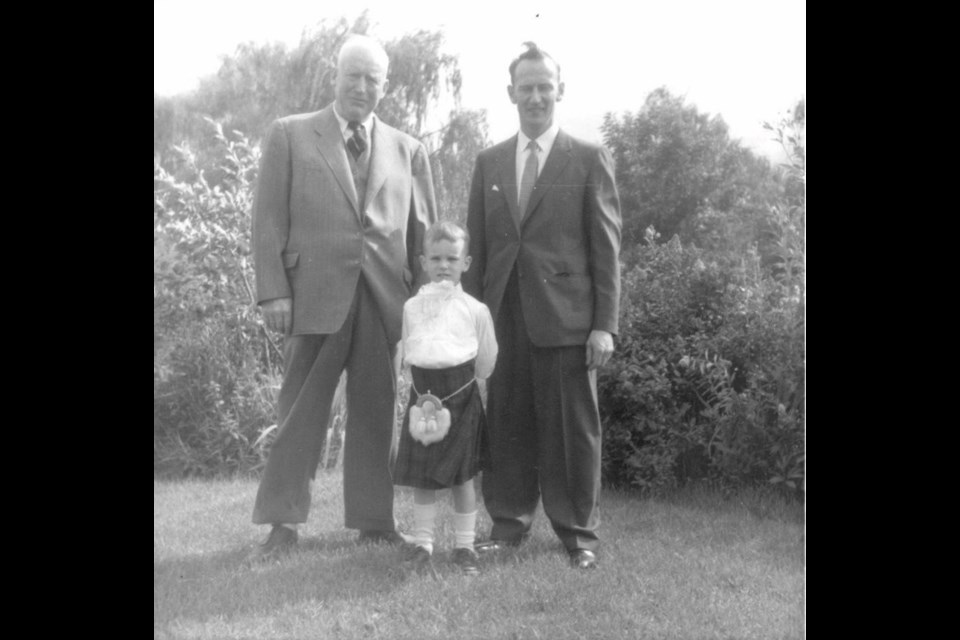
694 565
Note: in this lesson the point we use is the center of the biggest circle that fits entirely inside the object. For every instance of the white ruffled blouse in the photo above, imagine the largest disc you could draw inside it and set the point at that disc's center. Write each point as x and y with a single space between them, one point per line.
443 326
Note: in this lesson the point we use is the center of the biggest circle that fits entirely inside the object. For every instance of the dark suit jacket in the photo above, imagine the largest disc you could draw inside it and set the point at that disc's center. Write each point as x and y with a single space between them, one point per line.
565 250
311 240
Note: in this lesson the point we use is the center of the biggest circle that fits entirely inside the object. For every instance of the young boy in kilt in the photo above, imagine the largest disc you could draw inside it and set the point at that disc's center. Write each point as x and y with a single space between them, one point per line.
447 344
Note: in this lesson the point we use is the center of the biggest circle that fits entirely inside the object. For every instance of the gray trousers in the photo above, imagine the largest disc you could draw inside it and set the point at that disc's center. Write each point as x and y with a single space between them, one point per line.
313 364
543 429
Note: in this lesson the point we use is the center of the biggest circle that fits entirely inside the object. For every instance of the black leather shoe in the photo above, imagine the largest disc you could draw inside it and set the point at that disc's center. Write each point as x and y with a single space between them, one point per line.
418 560
583 559
374 536
492 545
281 541
466 559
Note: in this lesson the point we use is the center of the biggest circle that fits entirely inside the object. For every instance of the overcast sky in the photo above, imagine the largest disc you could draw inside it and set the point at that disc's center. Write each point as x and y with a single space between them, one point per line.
742 59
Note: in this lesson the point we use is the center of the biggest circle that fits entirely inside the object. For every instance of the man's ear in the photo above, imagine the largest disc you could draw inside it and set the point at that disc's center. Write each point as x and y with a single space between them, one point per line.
386 85
560 88
513 96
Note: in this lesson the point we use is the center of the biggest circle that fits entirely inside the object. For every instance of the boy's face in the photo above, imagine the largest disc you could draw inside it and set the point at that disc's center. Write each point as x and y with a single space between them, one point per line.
445 260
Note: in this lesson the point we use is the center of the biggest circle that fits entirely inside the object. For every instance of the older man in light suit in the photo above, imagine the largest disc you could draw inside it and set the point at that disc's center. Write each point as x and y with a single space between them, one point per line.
342 203
544 221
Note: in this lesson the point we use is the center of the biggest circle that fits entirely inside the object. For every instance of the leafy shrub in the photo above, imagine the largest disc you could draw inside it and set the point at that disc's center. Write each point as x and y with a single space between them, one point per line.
708 378
707 382
216 371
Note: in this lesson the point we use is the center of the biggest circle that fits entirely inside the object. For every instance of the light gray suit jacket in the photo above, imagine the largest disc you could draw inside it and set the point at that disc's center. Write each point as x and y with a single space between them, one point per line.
312 240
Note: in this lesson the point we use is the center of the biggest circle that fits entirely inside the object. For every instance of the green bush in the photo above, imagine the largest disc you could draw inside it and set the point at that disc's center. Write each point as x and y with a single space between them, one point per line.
216 371
707 381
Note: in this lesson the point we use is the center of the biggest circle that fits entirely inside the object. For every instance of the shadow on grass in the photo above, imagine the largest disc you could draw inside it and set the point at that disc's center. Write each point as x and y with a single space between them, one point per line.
329 570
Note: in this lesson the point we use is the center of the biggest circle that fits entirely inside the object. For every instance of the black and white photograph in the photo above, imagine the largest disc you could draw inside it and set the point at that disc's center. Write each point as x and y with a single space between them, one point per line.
479 320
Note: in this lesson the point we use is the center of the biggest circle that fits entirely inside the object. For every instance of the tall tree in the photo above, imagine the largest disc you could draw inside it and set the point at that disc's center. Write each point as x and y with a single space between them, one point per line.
679 171
260 83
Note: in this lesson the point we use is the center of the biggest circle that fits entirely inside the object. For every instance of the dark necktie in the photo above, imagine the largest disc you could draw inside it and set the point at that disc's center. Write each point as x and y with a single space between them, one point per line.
358 141
529 177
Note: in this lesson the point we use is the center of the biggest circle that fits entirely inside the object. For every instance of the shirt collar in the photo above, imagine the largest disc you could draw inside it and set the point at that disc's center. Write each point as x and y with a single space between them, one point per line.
444 287
545 139
346 131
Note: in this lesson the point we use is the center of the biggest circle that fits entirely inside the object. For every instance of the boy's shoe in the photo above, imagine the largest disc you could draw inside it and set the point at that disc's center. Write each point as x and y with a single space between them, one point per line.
418 559
466 559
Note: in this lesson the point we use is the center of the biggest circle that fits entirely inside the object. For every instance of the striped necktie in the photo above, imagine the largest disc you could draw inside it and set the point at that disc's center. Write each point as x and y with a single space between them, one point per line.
529 177
358 141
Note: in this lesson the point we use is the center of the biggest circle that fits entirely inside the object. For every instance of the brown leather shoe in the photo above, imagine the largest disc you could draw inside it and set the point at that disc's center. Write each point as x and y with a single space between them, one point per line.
583 559
281 541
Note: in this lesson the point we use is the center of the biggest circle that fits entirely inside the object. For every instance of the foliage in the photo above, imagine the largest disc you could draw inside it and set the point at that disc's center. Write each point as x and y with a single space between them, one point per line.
215 369
260 83
462 138
707 381
679 172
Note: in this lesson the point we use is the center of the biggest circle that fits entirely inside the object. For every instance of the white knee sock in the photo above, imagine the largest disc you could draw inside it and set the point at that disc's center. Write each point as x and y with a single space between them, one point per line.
464 529
424 519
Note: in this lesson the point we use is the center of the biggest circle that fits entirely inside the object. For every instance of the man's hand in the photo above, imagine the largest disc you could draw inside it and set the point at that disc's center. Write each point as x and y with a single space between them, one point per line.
278 314
599 349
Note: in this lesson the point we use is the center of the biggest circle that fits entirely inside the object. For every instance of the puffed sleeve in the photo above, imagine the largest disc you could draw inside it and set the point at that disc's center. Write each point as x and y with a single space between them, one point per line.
487 349
401 367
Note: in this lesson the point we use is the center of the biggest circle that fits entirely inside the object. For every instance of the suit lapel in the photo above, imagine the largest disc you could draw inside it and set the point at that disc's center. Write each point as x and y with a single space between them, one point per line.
379 162
556 162
508 177
331 147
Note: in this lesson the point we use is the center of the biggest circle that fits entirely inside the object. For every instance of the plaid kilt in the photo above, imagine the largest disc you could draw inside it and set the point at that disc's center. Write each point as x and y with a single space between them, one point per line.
456 458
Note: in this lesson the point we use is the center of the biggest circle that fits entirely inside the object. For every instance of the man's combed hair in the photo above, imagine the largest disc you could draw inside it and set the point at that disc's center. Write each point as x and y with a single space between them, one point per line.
446 230
532 52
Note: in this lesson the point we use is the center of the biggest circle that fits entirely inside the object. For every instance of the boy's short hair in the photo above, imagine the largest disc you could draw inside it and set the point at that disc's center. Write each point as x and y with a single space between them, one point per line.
446 230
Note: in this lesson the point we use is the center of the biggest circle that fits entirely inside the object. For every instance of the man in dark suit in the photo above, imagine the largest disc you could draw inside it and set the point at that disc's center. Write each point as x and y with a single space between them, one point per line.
342 203
544 221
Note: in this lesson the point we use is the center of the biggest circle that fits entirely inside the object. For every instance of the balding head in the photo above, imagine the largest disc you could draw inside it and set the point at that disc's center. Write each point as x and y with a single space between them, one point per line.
361 77
368 46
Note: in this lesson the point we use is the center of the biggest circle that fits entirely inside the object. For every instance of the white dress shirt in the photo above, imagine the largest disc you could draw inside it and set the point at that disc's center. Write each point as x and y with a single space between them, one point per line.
545 141
345 129
443 327
347 132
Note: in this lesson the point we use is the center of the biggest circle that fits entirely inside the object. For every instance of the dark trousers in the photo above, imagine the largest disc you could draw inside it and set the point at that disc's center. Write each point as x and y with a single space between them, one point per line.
313 364
544 435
